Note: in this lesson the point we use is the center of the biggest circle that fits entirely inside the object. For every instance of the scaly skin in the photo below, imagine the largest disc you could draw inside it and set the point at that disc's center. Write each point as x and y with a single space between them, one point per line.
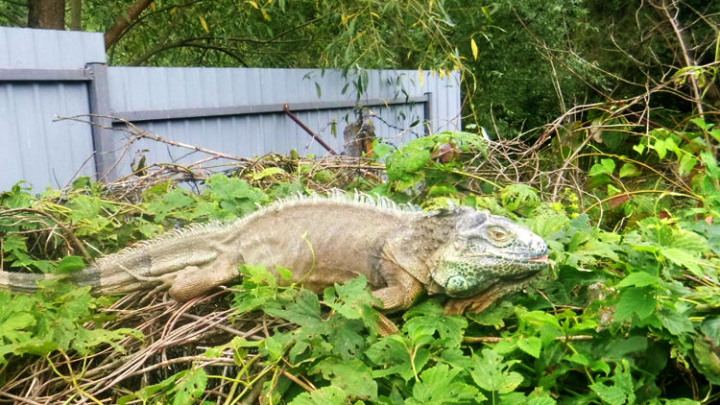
473 257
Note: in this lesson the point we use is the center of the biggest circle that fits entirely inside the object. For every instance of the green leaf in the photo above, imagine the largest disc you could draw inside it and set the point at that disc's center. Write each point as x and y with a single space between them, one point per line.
708 360
711 165
268 172
606 166
612 190
610 395
147 392
492 374
683 258
676 322
430 318
639 279
660 148
530 345
354 301
621 391
69 264
687 164
542 400
324 396
85 207
629 170
715 133
638 300
711 329
304 310
12 325
700 122
441 385
284 273
351 375
397 355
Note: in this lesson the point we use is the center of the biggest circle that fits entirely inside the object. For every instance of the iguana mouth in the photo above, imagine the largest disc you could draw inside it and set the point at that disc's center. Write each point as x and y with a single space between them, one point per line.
543 259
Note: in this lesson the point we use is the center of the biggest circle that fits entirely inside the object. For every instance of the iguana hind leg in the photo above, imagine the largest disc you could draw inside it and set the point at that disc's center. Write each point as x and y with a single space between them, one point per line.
193 281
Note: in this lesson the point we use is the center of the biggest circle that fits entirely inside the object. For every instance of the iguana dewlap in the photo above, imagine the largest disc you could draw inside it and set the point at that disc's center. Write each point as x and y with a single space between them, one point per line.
470 256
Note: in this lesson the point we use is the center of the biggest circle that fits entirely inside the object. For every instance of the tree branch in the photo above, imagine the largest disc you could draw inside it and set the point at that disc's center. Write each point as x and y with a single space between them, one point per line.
131 14
689 60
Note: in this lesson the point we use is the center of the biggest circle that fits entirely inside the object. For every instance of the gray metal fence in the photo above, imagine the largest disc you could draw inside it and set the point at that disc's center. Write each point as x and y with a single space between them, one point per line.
49 74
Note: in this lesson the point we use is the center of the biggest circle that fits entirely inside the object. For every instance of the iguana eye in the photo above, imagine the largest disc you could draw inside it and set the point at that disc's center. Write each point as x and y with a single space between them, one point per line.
498 234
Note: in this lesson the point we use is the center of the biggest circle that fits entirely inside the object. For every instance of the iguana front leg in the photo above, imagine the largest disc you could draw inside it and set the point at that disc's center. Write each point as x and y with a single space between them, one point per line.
193 281
401 291
402 288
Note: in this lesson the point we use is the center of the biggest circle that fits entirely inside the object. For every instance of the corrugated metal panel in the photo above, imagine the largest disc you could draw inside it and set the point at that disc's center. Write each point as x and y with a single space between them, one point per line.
134 89
35 147
25 48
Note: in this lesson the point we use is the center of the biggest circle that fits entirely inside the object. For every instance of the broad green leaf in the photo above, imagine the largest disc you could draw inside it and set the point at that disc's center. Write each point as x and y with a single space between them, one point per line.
542 400
610 395
612 190
660 148
147 392
711 165
441 385
639 279
629 170
606 166
277 344
683 258
700 122
530 345
708 359
492 374
353 300
711 329
69 264
638 300
676 322
618 348
686 164
303 310
715 133
351 375
396 355
429 317
324 396
11 326
621 391
284 273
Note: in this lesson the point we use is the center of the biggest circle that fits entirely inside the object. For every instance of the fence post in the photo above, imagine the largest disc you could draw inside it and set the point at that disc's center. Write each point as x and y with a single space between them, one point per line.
101 123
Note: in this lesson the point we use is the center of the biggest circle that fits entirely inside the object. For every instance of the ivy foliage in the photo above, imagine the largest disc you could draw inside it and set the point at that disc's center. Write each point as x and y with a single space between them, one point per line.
620 314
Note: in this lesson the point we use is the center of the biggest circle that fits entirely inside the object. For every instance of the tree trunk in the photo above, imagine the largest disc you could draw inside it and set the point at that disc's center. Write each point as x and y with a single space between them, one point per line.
46 14
76 15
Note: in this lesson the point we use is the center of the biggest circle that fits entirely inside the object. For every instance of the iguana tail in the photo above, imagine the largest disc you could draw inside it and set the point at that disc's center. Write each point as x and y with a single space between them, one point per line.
28 282
21 282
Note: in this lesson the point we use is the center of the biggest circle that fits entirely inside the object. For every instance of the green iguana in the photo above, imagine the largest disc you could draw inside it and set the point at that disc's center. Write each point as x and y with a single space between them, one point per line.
470 256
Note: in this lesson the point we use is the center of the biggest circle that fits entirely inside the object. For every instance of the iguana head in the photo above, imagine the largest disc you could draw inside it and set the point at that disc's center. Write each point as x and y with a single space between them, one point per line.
487 251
